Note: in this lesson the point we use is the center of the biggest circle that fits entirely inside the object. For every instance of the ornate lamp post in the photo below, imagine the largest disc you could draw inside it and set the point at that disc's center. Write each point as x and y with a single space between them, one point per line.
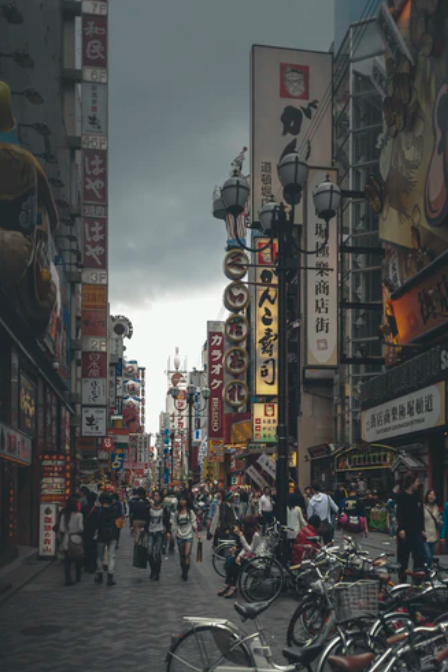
275 223
192 394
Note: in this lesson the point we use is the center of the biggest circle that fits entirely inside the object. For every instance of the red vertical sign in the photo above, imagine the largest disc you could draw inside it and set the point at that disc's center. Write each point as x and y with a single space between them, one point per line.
215 356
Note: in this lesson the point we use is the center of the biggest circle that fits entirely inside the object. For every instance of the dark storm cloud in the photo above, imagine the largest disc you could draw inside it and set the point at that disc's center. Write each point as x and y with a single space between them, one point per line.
179 114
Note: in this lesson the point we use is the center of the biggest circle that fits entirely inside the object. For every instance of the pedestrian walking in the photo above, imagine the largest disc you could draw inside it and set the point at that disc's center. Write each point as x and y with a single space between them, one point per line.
120 519
169 502
294 518
184 528
433 524
266 507
410 525
88 512
107 535
391 507
159 528
71 529
139 516
322 505
353 518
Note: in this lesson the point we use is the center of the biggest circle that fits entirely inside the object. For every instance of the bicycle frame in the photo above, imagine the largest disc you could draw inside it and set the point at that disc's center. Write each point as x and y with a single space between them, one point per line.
255 644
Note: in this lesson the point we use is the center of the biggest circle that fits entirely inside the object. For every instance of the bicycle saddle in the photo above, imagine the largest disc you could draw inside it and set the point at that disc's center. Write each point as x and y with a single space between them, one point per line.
304 656
351 663
251 610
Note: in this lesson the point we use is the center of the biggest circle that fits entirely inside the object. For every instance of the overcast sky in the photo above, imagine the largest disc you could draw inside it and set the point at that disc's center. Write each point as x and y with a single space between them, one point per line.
179 114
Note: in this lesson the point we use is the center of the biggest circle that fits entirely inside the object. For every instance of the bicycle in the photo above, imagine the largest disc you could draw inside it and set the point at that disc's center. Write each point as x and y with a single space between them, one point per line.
414 651
220 554
218 645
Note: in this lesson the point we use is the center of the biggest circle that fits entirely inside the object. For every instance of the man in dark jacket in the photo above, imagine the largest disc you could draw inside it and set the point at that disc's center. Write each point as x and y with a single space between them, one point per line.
139 514
410 527
227 517
107 535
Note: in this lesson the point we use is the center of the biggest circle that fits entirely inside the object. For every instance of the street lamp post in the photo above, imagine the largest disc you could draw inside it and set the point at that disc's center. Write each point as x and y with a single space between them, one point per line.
292 172
192 393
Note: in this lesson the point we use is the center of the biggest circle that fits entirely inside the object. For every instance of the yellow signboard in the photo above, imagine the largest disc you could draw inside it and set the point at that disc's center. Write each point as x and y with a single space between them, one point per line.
215 451
266 321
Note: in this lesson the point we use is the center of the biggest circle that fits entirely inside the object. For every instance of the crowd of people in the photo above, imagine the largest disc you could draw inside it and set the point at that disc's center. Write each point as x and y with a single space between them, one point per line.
89 527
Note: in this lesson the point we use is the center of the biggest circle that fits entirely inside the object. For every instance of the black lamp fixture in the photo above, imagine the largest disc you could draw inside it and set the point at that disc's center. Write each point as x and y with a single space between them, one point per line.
9 11
49 157
21 57
32 95
62 203
41 128
56 182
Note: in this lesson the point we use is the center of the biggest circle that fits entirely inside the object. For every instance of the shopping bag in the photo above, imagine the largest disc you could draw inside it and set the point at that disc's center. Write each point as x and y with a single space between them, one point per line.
140 556
199 551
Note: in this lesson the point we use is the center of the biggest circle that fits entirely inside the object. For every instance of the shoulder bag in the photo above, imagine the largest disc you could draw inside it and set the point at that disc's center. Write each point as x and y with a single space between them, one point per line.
75 549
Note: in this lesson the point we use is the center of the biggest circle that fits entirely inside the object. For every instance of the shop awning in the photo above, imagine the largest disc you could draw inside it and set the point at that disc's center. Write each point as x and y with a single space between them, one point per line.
408 462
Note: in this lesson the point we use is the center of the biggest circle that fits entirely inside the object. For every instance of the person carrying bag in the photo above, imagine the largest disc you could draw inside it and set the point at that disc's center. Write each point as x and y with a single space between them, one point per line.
321 505
71 529
140 558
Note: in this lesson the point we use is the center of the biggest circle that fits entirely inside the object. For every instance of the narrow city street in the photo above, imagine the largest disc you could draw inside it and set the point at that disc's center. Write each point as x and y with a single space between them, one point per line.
47 627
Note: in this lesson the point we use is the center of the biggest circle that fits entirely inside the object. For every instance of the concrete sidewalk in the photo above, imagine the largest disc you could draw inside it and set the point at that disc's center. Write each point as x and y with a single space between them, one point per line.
20 571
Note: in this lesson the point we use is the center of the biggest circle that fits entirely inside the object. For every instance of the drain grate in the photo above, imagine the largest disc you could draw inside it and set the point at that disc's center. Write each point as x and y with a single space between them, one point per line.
41 630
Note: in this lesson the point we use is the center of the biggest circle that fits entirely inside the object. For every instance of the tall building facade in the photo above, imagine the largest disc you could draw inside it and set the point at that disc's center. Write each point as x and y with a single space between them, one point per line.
357 125
41 258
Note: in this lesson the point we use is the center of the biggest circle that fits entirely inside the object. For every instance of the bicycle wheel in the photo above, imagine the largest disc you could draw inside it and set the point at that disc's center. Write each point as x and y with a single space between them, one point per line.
309 620
355 644
261 580
204 647
219 557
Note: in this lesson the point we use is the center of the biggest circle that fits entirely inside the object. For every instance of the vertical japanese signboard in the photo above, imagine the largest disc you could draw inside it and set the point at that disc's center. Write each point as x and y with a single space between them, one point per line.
215 367
289 102
266 321
94 130
321 281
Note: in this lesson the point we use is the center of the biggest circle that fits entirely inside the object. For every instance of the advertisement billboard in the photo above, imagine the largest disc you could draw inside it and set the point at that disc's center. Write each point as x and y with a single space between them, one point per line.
291 97
266 321
321 280
215 353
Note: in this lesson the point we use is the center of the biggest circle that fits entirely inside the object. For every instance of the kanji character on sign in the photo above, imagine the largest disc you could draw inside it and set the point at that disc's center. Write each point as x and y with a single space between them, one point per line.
268 371
268 341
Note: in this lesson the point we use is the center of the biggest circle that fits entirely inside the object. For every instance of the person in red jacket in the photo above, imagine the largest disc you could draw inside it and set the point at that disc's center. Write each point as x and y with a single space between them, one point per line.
301 542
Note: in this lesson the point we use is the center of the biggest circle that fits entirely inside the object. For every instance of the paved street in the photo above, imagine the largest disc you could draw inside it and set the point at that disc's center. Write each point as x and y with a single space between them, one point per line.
49 628
129 626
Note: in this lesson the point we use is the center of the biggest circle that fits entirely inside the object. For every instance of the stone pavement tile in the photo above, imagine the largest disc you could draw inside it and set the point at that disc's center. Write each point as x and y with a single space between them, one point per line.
108 629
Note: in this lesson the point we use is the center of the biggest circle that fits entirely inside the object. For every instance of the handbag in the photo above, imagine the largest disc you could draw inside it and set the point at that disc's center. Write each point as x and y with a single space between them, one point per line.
140 559
119 523
75 550
199 551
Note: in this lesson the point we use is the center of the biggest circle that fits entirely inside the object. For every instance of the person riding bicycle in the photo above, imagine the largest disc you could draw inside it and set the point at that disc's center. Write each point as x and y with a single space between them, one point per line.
303 542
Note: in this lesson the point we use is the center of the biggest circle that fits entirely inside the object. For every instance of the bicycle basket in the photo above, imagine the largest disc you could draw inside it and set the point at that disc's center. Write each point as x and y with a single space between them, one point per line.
355 600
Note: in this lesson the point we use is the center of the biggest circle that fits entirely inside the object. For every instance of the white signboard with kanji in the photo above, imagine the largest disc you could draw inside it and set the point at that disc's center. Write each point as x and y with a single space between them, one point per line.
291 112
93 421
321 280
94 391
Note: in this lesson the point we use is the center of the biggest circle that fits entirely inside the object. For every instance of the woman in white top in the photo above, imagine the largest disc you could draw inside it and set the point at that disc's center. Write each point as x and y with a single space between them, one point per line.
295 520
183 527
71 529
266 507
250 541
